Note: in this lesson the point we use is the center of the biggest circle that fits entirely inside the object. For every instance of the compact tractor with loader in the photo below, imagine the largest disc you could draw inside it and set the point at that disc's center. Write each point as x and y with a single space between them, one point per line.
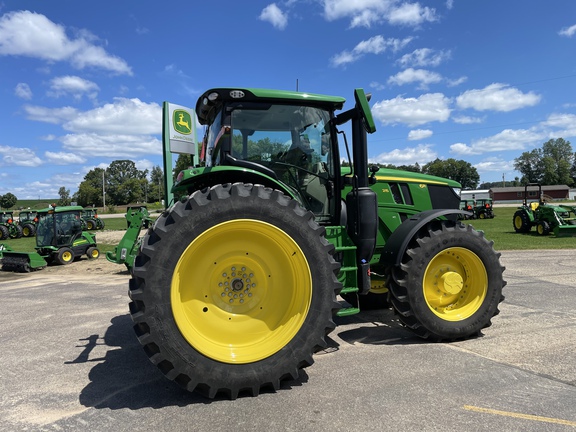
237 283
27 219
547 218
59 239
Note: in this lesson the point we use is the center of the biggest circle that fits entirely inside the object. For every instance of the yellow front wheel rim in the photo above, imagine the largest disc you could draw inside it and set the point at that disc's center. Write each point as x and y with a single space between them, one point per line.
241 291
455 284
66 256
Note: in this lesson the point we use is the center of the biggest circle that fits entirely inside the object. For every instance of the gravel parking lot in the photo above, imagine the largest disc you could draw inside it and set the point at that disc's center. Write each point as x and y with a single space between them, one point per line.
71 361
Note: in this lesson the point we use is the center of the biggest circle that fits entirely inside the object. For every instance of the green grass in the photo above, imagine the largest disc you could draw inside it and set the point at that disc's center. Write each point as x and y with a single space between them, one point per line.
501 231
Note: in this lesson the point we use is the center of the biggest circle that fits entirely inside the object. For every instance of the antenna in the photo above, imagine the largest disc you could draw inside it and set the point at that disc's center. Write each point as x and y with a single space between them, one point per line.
296 84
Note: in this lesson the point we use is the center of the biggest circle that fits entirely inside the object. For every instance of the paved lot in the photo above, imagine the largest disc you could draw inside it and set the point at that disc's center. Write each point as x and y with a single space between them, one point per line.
70 361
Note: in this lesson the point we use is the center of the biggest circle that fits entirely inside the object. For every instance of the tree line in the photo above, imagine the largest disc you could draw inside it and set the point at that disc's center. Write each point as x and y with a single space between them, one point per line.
123 183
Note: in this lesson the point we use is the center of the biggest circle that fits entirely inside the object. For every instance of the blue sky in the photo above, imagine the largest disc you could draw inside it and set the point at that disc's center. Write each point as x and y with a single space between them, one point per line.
82 84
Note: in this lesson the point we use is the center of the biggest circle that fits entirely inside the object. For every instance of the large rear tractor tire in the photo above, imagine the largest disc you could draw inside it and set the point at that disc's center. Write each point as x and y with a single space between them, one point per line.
233 290
4 233
28 230
449 284
521 222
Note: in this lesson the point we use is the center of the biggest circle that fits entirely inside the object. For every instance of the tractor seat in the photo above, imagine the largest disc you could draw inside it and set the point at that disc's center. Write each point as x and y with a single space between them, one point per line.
534 205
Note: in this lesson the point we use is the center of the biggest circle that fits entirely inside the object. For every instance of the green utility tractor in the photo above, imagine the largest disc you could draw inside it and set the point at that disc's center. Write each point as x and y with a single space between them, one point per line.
59 239
137 218
27 219
238 282
483 208
547 218
91 219
469 209
8 226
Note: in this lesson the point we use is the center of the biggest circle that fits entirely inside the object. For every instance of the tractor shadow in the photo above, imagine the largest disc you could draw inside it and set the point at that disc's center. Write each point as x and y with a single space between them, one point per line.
125 377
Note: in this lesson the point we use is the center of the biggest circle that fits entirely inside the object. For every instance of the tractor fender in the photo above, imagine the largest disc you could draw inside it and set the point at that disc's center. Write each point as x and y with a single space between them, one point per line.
397 243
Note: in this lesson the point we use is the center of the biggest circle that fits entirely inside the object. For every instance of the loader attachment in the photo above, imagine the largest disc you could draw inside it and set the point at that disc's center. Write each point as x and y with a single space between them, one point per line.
22 262
125 252
565 231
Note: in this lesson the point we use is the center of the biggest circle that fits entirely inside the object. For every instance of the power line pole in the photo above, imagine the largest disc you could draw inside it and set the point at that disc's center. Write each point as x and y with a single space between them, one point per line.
103 192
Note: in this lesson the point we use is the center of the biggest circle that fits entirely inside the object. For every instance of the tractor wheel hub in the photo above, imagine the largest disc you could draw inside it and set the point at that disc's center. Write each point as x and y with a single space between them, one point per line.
451 283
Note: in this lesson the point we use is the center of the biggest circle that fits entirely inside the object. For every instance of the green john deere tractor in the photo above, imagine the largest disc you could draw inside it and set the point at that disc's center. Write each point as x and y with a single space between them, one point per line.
237 283
483 208
59 239
27 219
469 209
8 226
91 219
547 218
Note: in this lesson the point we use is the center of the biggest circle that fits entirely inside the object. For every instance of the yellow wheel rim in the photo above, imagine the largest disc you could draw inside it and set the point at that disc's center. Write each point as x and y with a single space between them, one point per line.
67 256
26 232
95 253
378 286
518 222
241 291
455 284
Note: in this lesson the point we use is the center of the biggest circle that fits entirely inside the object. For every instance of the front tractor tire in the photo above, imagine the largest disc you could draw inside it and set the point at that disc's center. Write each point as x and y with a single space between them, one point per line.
449 284
233 290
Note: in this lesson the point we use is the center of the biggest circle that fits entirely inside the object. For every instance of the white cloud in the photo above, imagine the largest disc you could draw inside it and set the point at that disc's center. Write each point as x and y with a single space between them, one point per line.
508 139
410 75
112 146
420 154
50 115
30 34
494 164
568 31
374 45
497 97
19 156
411 14
72 85
365 13
274 15
456 81
23 91
413 111
424 57
124 116
63 158
419 134
467 119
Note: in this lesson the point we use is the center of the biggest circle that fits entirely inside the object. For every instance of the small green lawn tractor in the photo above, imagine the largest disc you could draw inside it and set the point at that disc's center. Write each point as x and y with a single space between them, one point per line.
91 219
28 219
237 283
8 226
137 218
59 239
483 208
547 218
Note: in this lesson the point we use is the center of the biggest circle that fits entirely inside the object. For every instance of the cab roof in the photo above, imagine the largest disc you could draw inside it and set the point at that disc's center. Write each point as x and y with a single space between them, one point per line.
210 102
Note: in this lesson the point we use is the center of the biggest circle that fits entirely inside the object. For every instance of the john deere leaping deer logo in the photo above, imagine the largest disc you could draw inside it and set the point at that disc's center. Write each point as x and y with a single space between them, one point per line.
181 122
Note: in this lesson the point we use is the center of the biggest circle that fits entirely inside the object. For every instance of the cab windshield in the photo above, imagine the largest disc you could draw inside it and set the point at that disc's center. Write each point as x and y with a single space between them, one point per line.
294 142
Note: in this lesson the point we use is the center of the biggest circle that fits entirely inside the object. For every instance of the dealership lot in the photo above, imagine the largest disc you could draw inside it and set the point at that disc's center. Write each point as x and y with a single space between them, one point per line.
70 361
